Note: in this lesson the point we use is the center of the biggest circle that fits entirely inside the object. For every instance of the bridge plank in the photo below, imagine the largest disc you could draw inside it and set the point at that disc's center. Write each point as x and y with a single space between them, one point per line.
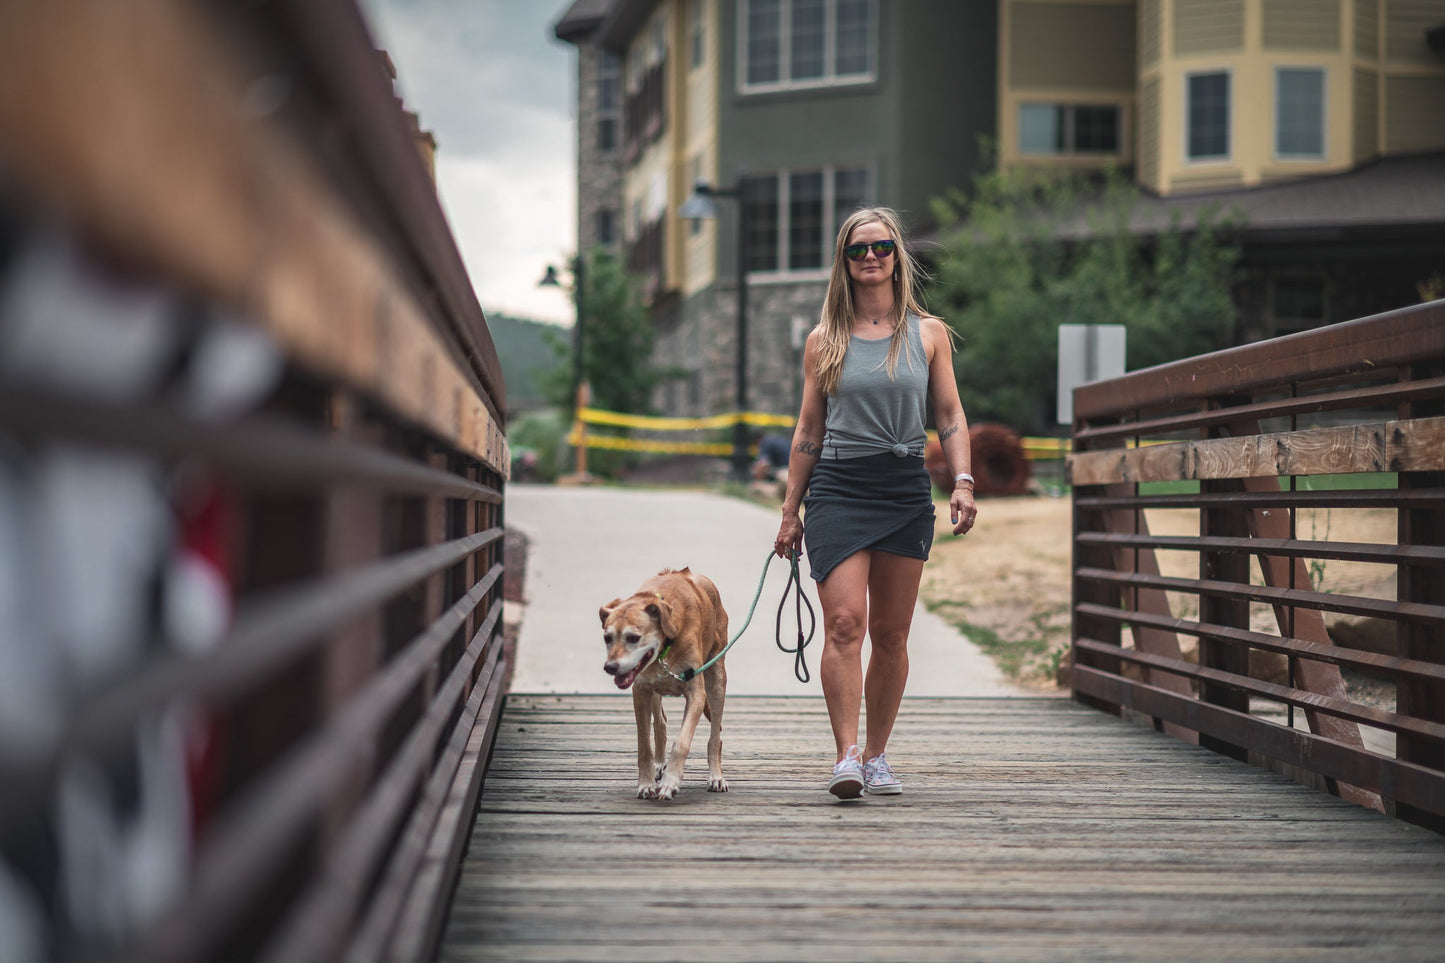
1029 829
1386 446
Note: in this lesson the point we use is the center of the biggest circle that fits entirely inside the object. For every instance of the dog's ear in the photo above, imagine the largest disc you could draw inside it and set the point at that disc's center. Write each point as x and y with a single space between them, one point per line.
662 611
608 609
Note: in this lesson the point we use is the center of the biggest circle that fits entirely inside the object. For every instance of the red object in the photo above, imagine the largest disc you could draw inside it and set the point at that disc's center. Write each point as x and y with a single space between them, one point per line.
999 465
206 520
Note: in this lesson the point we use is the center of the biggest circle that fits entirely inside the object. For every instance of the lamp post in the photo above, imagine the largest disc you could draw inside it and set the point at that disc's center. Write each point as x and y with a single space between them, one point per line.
579 391
701 205
549 280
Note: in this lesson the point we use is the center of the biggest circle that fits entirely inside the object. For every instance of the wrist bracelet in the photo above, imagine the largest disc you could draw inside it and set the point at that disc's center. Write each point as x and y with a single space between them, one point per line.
963 476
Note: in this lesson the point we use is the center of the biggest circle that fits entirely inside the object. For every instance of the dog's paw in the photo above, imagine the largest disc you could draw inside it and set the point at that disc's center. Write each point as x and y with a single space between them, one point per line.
657 776
717 785
668 788
647 790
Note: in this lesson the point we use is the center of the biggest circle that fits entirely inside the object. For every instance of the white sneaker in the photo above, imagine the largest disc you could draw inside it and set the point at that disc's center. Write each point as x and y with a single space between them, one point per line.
878 778
847 781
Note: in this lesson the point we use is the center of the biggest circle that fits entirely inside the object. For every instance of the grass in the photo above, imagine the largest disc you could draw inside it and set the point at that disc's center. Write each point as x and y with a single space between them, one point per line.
1016 658
1304 483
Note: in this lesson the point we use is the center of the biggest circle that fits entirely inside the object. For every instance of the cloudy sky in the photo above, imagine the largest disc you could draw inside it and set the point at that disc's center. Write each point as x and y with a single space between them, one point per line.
496 89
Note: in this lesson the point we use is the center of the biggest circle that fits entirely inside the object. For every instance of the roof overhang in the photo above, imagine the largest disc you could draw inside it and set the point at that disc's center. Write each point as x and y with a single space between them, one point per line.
1392 196
581 20
621 26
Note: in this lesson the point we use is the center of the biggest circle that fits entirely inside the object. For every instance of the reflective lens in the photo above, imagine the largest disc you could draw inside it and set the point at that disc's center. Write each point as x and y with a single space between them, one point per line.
881 249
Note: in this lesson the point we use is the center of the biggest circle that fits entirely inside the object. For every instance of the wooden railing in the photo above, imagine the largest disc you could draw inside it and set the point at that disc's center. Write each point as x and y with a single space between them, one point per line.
251 493
1185 472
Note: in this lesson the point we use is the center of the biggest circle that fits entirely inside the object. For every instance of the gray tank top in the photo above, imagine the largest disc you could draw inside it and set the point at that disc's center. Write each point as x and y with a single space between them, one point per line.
871 413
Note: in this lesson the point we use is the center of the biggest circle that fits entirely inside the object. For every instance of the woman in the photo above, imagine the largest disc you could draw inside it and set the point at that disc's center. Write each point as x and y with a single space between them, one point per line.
870 364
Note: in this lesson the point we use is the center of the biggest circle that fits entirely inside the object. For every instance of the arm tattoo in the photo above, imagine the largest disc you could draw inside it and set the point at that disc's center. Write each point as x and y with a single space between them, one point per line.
807 448
946 433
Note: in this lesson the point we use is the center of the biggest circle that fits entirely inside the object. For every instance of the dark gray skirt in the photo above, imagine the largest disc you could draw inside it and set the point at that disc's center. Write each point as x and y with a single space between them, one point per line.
879 502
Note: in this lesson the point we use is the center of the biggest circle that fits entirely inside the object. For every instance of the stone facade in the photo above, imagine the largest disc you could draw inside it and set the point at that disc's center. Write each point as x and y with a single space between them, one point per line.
699 337
599 171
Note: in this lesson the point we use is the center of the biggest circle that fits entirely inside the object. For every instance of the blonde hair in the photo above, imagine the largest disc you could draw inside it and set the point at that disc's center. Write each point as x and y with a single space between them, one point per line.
838 316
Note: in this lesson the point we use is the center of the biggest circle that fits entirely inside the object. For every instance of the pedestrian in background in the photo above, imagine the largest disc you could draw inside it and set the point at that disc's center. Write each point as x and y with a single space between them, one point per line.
774 451
871 365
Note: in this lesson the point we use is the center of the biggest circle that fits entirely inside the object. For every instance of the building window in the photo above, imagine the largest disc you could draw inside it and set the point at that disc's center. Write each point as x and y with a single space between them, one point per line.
1068 129
644 107
607 226
850 192
760 202
1299 112
1208 116
609 100
793 216
695 35
806 43
805 220
853 53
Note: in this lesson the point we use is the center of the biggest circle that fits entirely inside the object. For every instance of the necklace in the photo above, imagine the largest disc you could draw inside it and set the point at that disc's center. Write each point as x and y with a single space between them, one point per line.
881 317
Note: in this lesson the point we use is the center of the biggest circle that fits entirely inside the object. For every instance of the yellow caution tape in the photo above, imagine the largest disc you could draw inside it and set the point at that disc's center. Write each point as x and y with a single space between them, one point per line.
663 447
597 416
1034 448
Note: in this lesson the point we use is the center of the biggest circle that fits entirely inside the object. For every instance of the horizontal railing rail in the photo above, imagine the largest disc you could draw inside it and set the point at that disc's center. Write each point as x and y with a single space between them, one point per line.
252 494
1258 542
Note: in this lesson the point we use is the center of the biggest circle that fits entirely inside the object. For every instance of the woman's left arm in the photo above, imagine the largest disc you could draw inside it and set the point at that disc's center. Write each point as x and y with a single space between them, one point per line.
952 423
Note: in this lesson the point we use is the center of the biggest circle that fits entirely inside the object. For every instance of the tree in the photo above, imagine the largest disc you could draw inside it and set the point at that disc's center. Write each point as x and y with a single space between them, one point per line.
617 342
1031 250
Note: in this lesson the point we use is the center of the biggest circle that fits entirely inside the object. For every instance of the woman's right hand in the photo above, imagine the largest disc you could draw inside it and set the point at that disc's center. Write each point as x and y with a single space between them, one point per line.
790 535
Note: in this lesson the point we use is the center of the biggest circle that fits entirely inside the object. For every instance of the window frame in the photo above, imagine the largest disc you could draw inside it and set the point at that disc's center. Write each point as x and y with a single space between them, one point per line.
605 226
1324 116
610 68
830 76
1228 74
828 227
1069 132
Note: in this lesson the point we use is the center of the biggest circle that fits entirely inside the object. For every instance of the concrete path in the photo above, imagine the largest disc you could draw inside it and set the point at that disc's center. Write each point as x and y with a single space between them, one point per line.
591 545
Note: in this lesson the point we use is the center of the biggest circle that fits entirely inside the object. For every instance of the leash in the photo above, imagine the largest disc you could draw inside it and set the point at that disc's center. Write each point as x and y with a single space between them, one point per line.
800 668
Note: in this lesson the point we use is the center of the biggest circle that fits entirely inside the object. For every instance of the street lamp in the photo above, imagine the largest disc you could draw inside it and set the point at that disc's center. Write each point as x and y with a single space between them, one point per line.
549 280
579 390
702 205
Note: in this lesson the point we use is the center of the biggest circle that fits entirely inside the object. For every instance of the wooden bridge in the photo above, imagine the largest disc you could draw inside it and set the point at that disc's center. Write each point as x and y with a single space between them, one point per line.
253 478
1029 829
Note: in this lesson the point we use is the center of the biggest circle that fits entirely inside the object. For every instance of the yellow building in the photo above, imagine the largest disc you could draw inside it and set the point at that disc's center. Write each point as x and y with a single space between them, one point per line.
1321 122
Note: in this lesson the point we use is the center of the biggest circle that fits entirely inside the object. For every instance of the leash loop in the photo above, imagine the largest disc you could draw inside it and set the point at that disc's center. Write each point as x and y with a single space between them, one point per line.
800 669
795 584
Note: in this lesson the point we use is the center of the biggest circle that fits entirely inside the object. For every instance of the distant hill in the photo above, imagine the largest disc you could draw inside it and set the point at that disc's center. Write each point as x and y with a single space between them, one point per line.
525 357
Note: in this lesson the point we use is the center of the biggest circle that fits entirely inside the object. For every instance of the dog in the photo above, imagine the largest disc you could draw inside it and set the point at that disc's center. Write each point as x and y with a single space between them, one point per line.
674 623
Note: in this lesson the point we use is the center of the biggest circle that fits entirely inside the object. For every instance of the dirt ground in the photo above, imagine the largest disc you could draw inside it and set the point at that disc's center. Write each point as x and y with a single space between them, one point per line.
1006 583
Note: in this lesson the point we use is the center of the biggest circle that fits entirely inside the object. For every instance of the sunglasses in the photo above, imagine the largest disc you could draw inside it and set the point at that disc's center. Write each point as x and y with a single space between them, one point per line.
880 249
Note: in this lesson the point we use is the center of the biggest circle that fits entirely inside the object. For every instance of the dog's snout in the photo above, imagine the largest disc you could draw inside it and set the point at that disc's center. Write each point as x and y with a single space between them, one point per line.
610 667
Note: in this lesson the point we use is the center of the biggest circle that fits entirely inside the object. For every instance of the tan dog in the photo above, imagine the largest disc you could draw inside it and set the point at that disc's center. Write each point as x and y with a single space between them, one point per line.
674 623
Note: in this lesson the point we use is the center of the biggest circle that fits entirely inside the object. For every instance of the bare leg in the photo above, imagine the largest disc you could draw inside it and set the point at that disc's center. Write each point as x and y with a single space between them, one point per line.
892 592
844 598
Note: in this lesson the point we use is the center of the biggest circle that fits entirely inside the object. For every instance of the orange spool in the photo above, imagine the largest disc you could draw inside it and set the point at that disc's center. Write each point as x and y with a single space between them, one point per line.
999 465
